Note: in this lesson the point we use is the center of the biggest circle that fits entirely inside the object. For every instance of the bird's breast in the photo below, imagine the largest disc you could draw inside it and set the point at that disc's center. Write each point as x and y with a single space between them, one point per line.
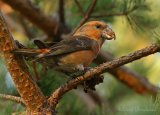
79 57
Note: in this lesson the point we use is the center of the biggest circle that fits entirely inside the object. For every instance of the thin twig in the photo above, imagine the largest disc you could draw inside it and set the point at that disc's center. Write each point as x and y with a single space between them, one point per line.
36 75
57 94
26 28
125 13
87 15
12 98
80 7
35 15
61 12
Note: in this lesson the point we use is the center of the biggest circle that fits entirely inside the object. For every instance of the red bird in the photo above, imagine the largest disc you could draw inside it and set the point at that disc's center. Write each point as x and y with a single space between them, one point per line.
76 52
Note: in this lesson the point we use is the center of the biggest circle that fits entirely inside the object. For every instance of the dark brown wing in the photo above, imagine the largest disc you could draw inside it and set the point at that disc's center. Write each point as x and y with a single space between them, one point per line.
42 45
73 44
63 47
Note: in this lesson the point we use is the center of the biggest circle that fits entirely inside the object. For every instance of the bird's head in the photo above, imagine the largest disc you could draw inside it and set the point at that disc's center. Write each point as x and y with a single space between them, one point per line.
96 30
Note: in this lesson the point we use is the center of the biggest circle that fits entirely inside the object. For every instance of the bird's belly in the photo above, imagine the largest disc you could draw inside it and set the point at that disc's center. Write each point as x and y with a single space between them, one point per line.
80 57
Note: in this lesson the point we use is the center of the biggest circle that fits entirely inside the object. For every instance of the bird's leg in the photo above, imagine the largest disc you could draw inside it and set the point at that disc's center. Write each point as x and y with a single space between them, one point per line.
91 83
35 71
85 86
79 70
71 70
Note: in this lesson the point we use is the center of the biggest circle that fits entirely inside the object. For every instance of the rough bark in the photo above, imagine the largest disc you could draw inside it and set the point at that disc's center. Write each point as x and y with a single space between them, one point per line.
27 88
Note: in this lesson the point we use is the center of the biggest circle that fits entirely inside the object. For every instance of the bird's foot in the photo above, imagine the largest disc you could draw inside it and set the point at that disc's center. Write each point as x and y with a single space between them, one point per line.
80 70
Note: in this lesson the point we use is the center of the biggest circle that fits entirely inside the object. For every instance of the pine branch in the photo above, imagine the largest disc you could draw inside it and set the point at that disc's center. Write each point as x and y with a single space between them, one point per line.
26 28
61 12
58 93
124 13
27 88
87 15
128 77
80 7
35 15
12 98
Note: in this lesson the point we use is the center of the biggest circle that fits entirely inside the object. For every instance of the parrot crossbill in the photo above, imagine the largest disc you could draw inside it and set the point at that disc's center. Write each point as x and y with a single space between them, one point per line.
74 53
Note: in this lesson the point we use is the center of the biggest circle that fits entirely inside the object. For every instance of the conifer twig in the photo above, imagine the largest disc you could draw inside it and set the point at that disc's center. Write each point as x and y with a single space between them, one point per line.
79 7
31 12
12 98
87 15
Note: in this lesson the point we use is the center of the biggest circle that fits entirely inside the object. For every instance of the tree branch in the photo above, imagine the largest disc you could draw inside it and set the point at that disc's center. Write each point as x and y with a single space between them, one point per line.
12 98
26 28
125 13
27 88
61 12
87 15
135 81
35 15
80 7
57 94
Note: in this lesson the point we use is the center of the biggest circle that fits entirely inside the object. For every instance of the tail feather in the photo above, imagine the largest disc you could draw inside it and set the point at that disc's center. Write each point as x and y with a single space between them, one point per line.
27 52
32 53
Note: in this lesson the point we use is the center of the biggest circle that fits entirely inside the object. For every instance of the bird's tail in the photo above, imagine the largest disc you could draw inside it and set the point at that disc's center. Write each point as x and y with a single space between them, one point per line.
32 53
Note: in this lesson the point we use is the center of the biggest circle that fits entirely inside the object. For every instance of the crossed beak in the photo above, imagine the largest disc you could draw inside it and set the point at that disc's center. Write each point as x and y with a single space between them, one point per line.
108 34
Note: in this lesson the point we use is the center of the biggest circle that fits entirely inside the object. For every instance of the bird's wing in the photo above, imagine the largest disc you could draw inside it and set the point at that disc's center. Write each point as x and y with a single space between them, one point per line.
42 45
70 45
63 47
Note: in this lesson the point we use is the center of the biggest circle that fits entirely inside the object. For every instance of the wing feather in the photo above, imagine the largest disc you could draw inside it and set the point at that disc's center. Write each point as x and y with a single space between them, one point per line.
73 44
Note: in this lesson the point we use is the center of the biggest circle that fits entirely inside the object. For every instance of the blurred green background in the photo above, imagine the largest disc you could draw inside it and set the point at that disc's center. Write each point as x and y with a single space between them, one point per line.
134 31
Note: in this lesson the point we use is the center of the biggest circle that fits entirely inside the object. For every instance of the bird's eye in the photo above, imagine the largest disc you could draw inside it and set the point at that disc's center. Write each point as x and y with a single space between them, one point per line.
98 26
